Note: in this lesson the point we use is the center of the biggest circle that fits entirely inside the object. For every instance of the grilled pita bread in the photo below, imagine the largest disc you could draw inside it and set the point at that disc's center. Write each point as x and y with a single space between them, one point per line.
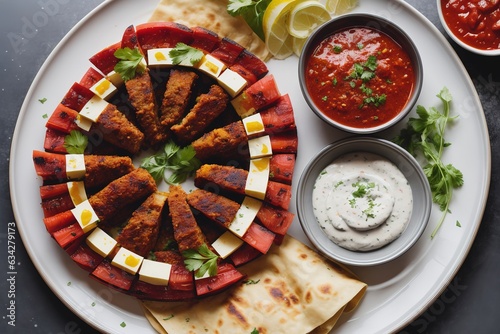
212 15
292 289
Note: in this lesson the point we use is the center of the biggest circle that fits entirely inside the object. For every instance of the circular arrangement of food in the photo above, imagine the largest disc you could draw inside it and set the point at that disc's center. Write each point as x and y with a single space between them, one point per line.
185 103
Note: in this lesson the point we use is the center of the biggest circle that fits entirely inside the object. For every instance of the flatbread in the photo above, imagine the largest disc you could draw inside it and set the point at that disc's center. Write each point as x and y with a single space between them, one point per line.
212 15
296 291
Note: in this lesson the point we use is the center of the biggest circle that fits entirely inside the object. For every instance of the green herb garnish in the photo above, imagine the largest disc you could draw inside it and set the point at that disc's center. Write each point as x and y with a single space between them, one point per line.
425 134
337 48
182 161
201 261
130 64
123 324
255 331
76 142
185 54
42 100
251 282
252 12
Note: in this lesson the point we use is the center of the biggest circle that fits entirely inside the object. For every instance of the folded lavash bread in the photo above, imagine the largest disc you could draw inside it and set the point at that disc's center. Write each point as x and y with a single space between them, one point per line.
212 15
291 289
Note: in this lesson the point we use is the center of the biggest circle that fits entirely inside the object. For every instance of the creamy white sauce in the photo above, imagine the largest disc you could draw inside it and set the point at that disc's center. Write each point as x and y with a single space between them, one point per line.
362 201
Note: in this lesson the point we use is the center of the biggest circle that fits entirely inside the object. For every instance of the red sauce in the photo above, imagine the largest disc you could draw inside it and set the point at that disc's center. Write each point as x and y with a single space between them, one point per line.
474 22
360 77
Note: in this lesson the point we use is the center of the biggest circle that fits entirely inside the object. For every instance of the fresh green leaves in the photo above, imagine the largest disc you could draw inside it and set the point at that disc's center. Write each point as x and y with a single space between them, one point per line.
366 72
185 54
252 12
201 261
425 134
130 64
76 142
181 161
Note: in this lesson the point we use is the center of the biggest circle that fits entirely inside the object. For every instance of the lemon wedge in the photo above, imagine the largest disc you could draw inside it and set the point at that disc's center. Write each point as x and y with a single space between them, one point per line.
298 45
279 42
338 7
306 16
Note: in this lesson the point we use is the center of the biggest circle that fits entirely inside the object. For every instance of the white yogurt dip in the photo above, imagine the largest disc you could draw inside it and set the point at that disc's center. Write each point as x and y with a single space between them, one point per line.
362 201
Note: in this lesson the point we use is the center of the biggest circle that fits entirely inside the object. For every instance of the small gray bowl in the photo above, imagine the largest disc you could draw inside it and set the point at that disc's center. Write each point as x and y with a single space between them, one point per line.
377 23
422 201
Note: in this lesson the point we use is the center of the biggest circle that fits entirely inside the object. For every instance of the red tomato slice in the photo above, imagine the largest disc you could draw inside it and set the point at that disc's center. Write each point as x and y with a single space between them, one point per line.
244 254
90 78
227 51
246 74
53 190
261 94
129 39
77 97
54 141
113 276
281 167
57 205
59 221
146 291
181 278
226 276
105 59
278 194
259 237
204 39
68 234
50 166
86 258
252 63
63 119
279 117
155 35
285 142
275 219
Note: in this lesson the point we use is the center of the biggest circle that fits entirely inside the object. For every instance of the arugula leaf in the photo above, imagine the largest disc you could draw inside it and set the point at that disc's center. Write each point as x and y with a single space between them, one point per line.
130 63
252 12
181 161
185 54
76 142
201 261
425 135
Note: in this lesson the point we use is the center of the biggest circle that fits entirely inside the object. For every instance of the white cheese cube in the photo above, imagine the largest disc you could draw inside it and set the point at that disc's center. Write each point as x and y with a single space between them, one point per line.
260 147
75 166
127 260
254 124
211 66
101 242
245 216
93 108
115 78
76 190
160 57
242 107
258 177
232 82
83 122
104 89
226 244
154 272
85 216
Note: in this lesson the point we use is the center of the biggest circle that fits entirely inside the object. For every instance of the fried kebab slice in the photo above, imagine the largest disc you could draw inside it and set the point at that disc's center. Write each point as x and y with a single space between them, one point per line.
230 179
187 233
208 106
177 95
122 192
142 97
142 230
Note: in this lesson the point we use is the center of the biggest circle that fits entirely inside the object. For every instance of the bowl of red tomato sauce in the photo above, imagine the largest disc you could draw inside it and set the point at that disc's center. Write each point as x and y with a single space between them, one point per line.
360 73
472 24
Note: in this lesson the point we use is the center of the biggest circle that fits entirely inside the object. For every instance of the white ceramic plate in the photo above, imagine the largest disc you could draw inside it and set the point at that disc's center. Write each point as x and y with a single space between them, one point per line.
398 291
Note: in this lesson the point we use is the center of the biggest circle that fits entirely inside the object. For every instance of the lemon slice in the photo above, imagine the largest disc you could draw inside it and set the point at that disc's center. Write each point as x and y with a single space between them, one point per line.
279 42
298 45
305 17
338 7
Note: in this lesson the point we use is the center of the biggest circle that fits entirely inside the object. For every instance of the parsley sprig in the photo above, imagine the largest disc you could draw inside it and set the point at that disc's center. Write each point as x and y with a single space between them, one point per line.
425 134
130 63
185 54
181 161
76 142
201 261
252 12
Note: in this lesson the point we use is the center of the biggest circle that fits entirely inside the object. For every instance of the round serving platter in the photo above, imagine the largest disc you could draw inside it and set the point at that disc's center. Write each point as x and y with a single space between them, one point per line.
398 291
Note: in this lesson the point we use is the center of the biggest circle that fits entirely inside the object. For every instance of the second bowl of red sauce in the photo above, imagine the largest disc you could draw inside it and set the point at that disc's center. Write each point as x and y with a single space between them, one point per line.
360 73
